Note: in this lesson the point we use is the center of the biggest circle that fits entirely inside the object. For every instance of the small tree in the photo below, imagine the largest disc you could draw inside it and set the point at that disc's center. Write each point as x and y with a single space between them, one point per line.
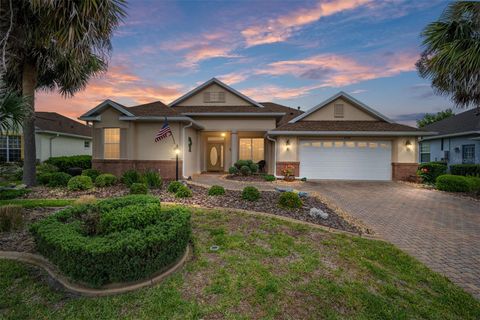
430 118
12 111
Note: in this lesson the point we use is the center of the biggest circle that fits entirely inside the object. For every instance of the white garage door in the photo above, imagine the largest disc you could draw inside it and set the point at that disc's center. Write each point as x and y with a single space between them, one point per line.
345 160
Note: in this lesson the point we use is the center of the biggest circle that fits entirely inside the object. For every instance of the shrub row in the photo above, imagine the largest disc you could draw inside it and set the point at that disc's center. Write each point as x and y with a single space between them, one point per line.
465 169
8 194
114 240
429 171
67 162
244 167
453 183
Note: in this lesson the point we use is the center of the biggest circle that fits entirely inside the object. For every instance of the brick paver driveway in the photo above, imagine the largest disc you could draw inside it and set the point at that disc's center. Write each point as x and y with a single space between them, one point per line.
440 229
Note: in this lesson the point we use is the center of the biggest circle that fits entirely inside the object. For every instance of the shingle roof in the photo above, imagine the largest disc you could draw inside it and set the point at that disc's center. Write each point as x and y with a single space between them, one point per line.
153 109
462 122
345 126
52 121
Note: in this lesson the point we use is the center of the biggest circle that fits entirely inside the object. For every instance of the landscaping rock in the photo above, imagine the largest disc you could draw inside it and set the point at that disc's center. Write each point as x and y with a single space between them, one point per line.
283 189
303 194
318 213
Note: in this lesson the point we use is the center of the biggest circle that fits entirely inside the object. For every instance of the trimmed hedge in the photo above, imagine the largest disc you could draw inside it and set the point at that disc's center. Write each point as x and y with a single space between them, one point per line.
289 200
79 183
269 177
250 193
245 170
452 183
430 171
64 163
114 240
216 190
92 173
183 192
105 180
138 188
58 179
233 170
465 169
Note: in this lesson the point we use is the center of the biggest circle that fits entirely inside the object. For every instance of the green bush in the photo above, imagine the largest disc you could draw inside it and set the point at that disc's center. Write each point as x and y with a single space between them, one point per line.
253 167
46 168
233 170
115 240
289 200
79 183
473 184
58 179
269 177
174 186
452 183
44 177
11 217
152 179
465 169
183 192
216 191
429 171
92 173
131 176
11 171
250 194
245 170
138 188
66 162
105 180
8 194
241 163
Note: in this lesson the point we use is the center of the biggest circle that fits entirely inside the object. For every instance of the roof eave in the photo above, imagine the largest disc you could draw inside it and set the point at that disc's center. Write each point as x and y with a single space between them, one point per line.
447 135
348 133
161 118
63 134
235 114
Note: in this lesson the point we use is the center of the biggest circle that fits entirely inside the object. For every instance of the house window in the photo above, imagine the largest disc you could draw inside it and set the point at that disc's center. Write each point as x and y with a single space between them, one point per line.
111 143
10 148
468 153
252 149
86 144
425 152
338 111
212 97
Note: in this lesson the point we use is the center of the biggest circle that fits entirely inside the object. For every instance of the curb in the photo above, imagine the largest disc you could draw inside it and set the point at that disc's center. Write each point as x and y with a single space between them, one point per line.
78 289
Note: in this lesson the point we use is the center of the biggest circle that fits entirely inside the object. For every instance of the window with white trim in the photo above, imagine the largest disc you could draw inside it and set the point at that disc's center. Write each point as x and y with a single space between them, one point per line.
10 148
252 149
111 143
425 152
213 97
86 144
338 111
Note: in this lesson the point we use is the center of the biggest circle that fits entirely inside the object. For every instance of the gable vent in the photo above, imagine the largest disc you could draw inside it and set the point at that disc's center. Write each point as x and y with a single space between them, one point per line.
212 97
338 111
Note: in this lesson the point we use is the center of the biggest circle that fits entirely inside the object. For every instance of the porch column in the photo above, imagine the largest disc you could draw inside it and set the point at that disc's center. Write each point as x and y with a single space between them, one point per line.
234 146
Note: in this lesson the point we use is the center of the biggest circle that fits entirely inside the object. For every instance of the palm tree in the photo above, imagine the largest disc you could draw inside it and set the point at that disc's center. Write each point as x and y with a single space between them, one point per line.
12 111
53 45
451 58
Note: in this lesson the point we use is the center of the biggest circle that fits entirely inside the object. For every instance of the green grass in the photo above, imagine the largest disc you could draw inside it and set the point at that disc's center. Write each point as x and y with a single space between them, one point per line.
265 269
37 203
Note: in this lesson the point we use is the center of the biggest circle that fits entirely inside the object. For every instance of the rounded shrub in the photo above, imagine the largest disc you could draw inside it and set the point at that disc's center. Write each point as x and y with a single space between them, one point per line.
92 173
216 191
183 192
174 186
289 200
250 193
152 179
253 167
233 170
58 179
241 163
44 177
473 184
245 170
269 177
131 176
105 180
449 182
46 168
138 188
78 183
114 240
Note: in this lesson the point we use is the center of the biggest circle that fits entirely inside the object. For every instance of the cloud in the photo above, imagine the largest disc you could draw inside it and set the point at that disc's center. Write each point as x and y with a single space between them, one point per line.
273 92
332 70
282 28
357 91
233 77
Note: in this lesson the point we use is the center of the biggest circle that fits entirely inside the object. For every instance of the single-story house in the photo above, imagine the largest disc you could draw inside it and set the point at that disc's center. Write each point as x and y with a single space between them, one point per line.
214 125
55 135
457 140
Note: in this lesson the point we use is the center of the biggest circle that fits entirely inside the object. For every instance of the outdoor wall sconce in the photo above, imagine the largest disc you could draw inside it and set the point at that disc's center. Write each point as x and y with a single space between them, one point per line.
408 144
223 134
287 144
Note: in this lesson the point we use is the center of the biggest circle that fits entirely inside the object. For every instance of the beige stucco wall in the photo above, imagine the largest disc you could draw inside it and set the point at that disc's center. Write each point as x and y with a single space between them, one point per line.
402 154
60 146
351 112
230 98
191 163
147 149
239 124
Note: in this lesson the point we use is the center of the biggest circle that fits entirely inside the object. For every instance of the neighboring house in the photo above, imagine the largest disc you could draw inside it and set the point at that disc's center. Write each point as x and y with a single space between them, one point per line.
214 125
457 139
55 135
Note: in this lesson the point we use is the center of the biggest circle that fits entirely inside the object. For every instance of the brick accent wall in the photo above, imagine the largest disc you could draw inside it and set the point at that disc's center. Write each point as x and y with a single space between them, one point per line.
282 164
404 171
166 168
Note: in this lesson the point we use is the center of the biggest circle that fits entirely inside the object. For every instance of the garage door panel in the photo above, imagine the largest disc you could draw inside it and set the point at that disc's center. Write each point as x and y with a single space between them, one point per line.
345 160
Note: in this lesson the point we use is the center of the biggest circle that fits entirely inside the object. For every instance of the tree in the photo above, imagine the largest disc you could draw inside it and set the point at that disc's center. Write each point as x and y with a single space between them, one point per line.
12 111
430 118
53 45
451 58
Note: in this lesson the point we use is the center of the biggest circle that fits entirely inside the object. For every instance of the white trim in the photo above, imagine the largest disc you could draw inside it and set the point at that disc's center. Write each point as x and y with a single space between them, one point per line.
345 95
453 135
90 118
348 133
103 105
234 114
221 84
63 134
158 118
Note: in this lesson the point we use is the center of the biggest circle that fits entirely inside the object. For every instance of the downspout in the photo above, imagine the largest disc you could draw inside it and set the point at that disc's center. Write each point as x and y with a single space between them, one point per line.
184 150
274 155
51 138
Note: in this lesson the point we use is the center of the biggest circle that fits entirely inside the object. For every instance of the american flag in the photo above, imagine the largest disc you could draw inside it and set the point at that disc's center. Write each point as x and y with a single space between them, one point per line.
164 132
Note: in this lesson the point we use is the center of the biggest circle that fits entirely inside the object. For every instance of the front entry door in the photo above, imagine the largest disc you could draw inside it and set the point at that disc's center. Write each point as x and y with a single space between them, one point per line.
215 157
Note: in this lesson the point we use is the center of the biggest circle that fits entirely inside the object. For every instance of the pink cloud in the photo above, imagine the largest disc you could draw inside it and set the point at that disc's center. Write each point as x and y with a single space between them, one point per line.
282 28
272 92
234 77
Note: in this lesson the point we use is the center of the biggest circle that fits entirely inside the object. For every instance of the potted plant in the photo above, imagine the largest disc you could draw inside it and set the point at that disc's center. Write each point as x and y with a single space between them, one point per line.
288 172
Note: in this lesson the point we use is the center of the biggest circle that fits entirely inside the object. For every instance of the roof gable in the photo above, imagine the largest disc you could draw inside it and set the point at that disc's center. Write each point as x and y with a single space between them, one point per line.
351 100
91 114
215 82
55 122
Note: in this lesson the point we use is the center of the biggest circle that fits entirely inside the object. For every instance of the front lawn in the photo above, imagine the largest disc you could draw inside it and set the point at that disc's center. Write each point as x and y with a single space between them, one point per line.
265 269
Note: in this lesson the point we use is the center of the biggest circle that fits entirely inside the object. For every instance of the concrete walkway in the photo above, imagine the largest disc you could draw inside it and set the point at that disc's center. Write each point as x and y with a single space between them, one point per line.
440 229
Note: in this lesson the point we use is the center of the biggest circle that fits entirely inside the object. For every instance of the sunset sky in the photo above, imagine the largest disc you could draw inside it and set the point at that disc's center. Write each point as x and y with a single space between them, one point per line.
297 53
